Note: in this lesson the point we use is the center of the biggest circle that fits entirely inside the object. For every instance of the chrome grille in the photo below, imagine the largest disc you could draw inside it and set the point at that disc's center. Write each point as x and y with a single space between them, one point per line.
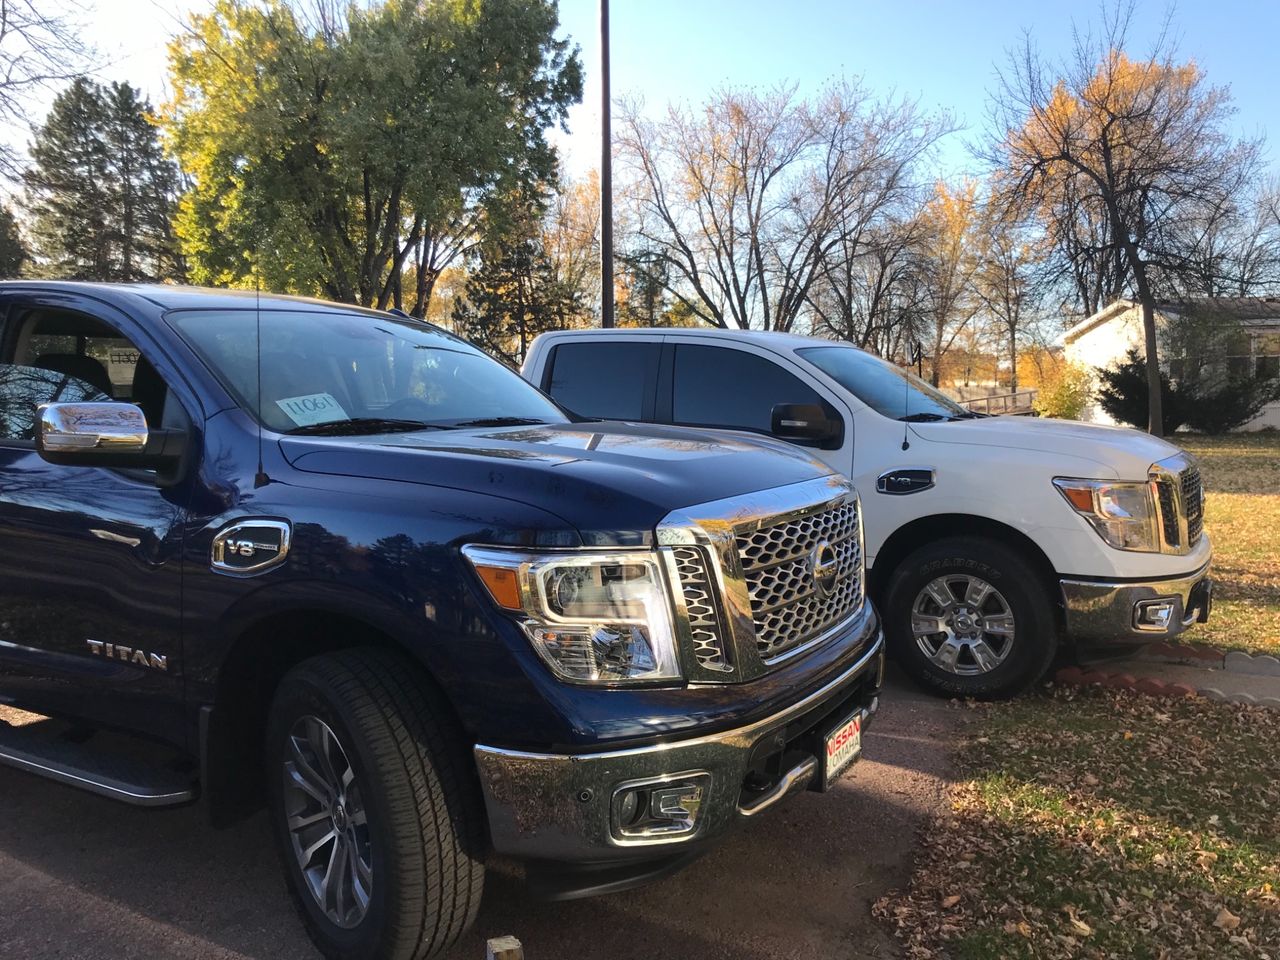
1192 503
777 562
699 601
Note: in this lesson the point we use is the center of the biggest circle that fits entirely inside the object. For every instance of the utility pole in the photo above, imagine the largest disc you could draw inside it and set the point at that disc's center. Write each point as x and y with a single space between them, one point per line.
606 175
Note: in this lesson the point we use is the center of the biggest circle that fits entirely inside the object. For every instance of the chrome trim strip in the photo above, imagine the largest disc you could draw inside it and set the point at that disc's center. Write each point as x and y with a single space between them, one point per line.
737 736
795 778
75 778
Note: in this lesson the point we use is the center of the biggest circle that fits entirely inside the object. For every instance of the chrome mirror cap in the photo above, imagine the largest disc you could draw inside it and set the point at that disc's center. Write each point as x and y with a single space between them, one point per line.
71 428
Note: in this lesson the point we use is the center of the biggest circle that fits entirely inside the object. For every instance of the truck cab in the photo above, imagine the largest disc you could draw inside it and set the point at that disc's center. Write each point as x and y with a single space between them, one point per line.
338 562
992 541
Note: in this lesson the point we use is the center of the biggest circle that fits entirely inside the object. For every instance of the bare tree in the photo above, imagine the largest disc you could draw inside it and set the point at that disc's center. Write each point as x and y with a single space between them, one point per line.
1007 280
41 48
742 203
1140 142
949 223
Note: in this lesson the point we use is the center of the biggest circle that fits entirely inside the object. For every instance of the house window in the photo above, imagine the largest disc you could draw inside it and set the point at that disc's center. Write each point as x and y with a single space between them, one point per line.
1267 367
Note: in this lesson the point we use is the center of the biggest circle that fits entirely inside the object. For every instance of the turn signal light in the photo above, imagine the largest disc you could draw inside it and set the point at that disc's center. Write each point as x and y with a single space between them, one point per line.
502 584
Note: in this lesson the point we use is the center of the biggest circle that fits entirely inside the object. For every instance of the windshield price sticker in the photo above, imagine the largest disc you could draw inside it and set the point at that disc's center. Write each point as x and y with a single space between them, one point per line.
312 408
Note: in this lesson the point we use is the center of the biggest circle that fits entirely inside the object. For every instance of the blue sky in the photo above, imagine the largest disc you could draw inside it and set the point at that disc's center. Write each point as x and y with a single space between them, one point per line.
942 53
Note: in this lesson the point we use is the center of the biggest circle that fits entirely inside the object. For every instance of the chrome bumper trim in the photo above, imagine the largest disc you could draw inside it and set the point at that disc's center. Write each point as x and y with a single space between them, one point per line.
555 806
1102 610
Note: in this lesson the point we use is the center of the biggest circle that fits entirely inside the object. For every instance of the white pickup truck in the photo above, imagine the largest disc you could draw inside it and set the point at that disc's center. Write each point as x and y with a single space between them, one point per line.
990 540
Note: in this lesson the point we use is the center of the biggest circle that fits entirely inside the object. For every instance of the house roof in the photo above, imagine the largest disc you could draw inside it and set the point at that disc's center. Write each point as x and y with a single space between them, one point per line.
1250 311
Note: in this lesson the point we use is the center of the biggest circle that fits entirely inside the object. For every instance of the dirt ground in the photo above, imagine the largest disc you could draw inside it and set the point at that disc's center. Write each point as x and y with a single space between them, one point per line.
83 877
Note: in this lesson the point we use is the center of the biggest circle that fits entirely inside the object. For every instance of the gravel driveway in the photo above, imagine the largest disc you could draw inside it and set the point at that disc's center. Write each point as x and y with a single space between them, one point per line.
87 878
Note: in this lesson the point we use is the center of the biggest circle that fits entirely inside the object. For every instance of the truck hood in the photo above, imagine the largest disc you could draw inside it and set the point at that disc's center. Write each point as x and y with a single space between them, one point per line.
1120 453
613 482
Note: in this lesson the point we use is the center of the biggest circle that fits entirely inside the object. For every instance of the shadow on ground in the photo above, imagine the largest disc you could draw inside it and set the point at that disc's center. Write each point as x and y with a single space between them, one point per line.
85 877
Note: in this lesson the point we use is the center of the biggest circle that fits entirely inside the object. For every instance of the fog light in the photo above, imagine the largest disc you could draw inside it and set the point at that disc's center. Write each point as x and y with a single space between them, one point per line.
664 808
1154 614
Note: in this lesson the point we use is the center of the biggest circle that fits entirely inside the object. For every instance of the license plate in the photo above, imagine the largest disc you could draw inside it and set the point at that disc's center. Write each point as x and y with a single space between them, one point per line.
843 746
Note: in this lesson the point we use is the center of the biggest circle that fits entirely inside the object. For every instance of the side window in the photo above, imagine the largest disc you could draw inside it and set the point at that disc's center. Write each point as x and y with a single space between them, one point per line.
57 356
612 380
724 387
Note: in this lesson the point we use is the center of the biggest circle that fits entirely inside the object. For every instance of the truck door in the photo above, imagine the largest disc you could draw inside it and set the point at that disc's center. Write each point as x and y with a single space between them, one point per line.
90 574
717 385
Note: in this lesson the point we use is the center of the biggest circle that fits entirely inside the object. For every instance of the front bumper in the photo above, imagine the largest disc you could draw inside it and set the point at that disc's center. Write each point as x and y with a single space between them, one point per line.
560 807
1107 611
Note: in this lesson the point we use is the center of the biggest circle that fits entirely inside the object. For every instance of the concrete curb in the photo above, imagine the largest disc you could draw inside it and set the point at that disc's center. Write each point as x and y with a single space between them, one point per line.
1213 693
1182 653
1261 665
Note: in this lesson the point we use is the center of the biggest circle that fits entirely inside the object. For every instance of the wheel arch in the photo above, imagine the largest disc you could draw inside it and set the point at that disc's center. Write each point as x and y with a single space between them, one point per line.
263 649
924 530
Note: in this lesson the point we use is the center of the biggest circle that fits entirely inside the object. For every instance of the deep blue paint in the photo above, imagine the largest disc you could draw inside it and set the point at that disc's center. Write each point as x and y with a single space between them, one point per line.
378 522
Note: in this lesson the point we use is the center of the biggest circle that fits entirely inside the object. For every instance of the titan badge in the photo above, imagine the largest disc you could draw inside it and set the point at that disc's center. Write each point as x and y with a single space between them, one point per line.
115 651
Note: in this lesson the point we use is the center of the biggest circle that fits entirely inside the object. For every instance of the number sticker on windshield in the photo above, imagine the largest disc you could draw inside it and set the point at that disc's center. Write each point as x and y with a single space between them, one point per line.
312 408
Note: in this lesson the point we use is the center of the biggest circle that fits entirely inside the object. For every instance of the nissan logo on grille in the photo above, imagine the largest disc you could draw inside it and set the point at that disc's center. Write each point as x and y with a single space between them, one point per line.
826 566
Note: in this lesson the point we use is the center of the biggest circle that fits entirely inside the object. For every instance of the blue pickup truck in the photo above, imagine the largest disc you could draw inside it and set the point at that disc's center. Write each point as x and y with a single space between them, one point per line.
338 561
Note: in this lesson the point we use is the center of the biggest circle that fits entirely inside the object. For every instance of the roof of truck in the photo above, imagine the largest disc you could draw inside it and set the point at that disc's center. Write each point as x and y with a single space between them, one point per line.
771 337
174 297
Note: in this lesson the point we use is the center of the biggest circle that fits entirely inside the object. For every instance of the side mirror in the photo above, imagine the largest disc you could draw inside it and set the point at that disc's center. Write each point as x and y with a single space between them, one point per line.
805 423
107 434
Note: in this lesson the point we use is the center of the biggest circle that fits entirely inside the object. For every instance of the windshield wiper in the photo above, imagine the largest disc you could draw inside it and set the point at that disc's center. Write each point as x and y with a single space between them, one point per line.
970 415
358 425
499 422
922 417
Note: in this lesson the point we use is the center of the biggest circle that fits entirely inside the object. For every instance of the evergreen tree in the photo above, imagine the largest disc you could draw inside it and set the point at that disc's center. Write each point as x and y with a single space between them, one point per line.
101 192
68 186
13 253
512 295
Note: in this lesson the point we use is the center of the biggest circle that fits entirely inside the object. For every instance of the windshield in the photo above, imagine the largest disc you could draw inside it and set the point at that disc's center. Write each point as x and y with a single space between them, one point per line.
324 371
885 388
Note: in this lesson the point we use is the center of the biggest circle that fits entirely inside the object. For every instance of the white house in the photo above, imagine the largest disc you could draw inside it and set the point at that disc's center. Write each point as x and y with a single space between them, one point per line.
1104 338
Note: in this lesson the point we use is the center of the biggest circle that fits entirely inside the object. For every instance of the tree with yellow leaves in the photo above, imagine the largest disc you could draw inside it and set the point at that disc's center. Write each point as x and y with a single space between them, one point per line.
1138 143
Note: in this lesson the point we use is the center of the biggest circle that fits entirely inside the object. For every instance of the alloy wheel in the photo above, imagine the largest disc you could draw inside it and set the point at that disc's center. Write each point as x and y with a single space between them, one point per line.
327 822
963 624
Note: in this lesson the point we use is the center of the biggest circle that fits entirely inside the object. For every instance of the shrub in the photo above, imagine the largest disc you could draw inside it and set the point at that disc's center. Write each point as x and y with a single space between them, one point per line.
1065 392
1208 404
1222 407
1122 393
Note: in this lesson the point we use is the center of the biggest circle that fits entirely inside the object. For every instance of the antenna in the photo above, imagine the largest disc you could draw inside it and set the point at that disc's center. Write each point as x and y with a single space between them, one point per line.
260 479
916 351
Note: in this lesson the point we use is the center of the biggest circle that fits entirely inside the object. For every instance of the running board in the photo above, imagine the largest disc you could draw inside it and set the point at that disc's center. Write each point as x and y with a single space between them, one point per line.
111 765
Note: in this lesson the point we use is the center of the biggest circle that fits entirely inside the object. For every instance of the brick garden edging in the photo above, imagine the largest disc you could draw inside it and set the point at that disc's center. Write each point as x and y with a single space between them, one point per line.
1156 687
1151 686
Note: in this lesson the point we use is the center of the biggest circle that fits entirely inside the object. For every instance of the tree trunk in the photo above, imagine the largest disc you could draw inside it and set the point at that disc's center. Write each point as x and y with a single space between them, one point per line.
1013 360
1155 404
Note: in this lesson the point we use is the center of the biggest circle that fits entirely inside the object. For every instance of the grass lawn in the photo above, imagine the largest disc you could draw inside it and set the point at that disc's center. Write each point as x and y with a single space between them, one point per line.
1098 824
1242 514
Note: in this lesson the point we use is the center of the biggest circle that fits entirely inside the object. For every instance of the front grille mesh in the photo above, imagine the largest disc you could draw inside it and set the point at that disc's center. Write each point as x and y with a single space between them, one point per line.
1193 503
1182 497
777 561
699 600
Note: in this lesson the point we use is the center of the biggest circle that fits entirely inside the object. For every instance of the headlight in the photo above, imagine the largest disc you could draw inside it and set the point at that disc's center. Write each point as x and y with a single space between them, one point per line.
1124 514
593 617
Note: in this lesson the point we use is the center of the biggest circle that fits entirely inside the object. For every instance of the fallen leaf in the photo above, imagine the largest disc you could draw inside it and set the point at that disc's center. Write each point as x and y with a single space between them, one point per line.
951 901
1226 920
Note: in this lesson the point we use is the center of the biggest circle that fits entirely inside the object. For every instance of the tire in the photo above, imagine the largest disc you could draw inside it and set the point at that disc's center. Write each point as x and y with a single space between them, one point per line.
987 645
409 813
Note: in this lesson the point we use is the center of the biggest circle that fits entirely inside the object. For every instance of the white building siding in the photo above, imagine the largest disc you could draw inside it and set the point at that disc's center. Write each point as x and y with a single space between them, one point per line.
1105 338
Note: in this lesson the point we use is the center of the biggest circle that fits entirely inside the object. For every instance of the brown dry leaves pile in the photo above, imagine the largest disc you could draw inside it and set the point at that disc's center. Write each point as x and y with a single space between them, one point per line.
1103 824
